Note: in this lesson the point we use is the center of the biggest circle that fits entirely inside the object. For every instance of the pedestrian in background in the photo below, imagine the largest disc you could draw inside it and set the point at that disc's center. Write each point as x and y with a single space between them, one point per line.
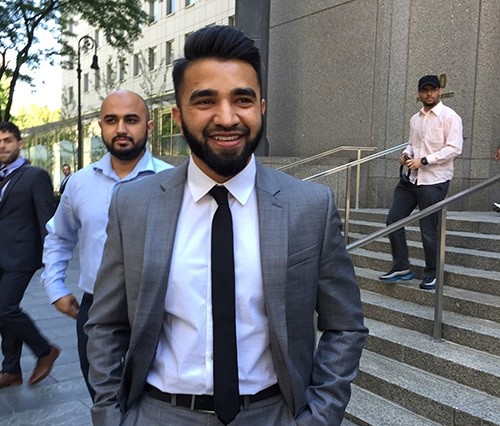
66 169
435 141
82 214
26 204
205 302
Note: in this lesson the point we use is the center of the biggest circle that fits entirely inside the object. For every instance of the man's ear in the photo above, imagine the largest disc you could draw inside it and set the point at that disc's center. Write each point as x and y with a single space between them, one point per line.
176 113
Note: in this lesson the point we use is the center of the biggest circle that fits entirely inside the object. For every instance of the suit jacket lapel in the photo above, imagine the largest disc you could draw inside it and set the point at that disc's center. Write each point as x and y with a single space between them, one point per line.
163 213
162 219
273 228
10 184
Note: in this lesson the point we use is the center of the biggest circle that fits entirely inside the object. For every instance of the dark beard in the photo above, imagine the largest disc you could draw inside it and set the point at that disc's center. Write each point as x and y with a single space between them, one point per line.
129 154
225 164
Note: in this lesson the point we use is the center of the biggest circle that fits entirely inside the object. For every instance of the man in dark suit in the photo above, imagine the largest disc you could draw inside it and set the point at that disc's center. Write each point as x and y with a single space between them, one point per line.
66 169
154 328
26 204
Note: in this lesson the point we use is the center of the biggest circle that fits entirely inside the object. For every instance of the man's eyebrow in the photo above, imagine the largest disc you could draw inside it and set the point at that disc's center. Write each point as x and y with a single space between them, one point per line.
125 116
239 91
202 93
244 91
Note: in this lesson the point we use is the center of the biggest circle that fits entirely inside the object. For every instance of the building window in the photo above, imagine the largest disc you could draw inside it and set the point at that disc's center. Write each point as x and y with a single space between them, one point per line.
109 73
97 79
152 58
137 65
70 63
86 82
169 53
71 94
231 21
190 2
153 11
123 70
170 7
96 38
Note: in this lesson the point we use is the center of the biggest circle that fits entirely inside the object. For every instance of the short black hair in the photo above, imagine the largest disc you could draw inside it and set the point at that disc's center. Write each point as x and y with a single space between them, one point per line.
219 42
7 126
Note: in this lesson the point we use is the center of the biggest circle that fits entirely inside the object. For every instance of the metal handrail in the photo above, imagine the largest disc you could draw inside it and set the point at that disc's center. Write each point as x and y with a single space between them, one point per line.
442 207
326 153
359 149
348 167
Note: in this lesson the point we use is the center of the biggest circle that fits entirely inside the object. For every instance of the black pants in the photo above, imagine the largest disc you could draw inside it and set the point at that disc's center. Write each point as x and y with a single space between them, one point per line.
81 319
16 327
406 198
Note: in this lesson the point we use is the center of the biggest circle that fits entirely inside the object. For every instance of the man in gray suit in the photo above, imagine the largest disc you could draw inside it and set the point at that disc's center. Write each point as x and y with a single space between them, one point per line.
152 327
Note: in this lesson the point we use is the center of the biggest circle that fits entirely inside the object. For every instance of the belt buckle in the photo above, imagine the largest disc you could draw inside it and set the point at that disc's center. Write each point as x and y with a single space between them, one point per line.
193 406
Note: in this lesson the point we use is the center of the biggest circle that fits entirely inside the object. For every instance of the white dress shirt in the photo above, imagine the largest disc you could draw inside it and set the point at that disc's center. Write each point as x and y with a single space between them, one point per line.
183 362
437 135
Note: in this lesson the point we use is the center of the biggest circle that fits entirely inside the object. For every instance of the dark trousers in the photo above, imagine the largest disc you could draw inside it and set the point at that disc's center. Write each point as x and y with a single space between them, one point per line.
81 319
406 198
16 327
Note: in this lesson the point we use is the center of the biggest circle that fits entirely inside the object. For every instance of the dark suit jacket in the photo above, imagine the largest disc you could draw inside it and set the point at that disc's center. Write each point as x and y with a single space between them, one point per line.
305 269
26 206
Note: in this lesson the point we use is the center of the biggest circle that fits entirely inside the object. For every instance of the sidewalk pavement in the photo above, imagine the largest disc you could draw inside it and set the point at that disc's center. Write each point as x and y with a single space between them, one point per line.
62 398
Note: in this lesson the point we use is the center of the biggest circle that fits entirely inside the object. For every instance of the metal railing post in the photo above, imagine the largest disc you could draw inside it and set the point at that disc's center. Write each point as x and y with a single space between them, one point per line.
358 180
347 204
438 297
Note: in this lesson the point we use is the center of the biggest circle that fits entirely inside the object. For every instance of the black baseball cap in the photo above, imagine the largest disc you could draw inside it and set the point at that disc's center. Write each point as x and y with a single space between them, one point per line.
432 80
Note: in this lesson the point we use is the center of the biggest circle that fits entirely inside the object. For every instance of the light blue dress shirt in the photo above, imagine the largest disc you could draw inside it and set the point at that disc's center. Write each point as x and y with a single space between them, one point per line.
81 217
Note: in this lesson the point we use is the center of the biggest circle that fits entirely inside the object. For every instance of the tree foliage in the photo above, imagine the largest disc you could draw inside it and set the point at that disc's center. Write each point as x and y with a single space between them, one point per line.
21 22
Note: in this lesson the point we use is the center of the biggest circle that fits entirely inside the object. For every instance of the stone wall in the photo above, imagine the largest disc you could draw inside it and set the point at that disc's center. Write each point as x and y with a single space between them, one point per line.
345 73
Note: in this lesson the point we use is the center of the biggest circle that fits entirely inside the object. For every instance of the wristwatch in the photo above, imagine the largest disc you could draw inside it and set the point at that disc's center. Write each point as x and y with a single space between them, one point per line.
424 161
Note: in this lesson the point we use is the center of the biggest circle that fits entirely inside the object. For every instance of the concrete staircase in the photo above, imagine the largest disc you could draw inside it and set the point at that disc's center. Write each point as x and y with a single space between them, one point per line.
406 378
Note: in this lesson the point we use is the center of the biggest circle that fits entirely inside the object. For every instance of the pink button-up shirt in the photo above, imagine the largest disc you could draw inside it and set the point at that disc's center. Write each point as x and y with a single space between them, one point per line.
437 135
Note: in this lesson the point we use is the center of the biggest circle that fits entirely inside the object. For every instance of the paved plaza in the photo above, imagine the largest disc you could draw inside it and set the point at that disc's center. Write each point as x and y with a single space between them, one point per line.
62 398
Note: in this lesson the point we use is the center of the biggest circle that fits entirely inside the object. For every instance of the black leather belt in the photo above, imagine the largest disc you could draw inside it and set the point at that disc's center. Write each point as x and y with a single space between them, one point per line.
89 298
206 402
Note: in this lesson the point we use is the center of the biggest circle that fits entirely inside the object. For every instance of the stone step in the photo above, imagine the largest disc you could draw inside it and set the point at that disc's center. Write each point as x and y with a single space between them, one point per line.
465 302
468 366
467 257
475 222
369 409
431 396
454 275
460 239
477 333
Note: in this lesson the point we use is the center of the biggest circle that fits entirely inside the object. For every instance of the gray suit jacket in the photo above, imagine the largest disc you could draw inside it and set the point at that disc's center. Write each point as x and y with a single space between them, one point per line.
305 269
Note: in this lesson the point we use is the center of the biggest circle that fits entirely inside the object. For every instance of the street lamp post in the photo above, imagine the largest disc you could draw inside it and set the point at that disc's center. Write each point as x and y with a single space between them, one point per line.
85 43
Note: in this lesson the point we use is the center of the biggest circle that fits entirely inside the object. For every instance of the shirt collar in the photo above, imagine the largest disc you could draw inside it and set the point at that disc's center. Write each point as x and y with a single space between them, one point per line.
145 164
436 109
14 165
240 186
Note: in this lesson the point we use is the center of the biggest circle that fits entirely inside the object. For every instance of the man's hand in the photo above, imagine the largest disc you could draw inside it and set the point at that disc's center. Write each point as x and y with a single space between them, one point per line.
403 159
68 305
414 163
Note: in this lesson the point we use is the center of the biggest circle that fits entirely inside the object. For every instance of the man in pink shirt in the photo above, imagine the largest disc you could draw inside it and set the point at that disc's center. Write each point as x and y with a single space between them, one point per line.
435 140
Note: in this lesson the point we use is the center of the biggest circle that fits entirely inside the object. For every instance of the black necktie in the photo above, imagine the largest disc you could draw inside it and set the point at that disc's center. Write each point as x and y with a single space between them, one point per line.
226 391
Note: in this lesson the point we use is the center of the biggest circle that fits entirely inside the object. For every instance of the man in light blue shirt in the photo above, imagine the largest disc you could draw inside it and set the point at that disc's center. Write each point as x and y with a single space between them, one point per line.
82 214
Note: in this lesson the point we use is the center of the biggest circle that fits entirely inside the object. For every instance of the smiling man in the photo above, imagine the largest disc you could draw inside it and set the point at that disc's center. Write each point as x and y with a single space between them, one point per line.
213 272
82 214
435 140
